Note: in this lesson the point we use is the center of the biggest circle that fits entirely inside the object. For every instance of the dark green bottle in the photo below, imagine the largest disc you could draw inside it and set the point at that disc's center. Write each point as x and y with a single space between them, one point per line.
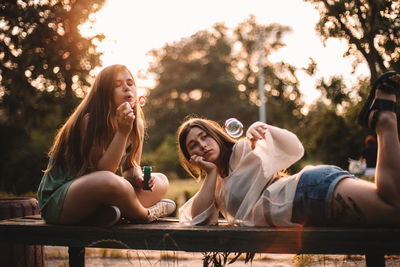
147 175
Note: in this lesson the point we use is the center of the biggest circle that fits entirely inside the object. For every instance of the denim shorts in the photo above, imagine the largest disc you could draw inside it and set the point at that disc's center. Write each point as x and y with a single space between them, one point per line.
312 204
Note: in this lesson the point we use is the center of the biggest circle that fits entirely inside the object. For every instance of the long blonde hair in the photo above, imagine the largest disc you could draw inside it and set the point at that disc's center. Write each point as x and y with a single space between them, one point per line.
77 150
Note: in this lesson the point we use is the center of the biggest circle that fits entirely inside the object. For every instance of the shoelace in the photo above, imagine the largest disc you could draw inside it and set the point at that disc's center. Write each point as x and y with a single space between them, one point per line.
161 208
158 210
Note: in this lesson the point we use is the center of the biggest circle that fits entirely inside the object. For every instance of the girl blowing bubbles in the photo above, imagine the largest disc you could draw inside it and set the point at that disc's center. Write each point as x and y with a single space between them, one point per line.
80 184
243 182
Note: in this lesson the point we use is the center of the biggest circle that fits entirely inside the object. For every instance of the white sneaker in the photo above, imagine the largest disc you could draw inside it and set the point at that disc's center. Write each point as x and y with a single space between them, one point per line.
106 216
161 209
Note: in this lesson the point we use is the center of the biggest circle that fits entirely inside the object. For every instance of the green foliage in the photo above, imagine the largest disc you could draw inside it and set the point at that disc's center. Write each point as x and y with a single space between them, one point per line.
44 71
46 67
165 158
334 91
372 29
330 133
214 74
327 137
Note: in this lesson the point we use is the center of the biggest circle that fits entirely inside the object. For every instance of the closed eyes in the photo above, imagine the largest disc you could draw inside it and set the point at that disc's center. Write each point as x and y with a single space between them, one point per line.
194 144
118 83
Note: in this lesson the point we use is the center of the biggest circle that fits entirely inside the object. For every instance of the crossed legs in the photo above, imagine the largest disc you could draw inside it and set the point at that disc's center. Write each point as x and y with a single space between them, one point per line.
95 190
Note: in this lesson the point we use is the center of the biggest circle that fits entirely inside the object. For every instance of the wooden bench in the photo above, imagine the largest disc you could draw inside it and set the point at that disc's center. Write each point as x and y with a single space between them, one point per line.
168 234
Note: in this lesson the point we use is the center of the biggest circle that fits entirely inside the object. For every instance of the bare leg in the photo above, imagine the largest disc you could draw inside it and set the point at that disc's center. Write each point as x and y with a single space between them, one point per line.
149 198
361 202
388 161
90 192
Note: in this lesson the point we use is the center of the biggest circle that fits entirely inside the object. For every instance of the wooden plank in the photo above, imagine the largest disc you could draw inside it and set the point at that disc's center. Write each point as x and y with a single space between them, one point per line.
170 235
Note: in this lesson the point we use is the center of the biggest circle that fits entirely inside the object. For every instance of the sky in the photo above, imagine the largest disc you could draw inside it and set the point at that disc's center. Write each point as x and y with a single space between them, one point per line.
132 28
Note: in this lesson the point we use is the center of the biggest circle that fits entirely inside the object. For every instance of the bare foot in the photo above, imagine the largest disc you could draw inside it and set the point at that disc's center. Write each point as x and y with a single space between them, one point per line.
385 118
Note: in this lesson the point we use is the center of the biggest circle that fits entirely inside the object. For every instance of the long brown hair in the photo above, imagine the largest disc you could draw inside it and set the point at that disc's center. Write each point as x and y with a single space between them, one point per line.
213 129
78 151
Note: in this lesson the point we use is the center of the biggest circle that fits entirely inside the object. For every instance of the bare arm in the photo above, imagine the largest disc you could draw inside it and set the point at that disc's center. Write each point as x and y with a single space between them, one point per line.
114 152
206 195
135 175
138 155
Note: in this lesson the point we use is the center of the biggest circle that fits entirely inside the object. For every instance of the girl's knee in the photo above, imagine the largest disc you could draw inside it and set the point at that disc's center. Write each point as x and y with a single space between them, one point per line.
159 190
111 184
162 178
162 182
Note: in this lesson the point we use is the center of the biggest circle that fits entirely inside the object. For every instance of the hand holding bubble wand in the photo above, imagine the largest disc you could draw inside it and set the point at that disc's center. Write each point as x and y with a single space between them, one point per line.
141 101
127 110
146 169
235 130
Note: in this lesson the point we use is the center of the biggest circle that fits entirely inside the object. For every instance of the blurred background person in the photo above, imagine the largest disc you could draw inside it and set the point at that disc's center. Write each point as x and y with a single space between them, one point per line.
368 156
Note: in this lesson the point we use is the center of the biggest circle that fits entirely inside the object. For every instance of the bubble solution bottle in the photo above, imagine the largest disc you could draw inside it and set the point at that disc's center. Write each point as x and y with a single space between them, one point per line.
147 175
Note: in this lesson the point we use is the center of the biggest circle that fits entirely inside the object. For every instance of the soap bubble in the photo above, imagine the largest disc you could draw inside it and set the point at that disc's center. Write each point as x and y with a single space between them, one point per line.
234 127
142 101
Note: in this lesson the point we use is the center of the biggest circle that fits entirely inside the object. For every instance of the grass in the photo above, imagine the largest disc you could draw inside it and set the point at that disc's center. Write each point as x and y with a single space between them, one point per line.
181 190
10 195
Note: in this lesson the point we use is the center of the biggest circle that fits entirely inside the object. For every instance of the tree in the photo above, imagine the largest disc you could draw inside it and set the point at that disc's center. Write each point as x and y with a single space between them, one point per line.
329 132
327 137
193 78
371 27
283 98
43 50
214 74
44 70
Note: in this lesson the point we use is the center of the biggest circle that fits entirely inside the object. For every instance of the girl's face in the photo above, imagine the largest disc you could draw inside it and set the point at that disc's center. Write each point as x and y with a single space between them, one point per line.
124 88
200 143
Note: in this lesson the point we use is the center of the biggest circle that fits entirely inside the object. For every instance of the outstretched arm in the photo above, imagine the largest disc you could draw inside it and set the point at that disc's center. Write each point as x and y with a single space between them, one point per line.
277 148
284 140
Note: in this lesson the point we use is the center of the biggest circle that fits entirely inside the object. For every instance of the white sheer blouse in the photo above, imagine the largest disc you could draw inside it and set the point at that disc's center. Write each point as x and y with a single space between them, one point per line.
252 194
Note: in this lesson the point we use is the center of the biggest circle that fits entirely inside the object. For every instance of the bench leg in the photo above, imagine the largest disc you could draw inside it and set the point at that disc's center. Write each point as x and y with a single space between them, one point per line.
76 256
375 260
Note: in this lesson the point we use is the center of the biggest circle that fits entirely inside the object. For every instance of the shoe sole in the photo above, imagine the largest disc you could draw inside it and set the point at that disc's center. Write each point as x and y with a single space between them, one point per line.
102 217
363 116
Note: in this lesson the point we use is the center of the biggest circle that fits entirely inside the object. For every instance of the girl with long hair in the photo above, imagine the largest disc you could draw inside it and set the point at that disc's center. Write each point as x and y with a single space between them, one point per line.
242 179
102 137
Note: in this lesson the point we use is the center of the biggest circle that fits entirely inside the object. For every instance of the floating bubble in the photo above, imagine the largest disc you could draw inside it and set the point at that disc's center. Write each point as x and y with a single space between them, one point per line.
142 101
234 127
